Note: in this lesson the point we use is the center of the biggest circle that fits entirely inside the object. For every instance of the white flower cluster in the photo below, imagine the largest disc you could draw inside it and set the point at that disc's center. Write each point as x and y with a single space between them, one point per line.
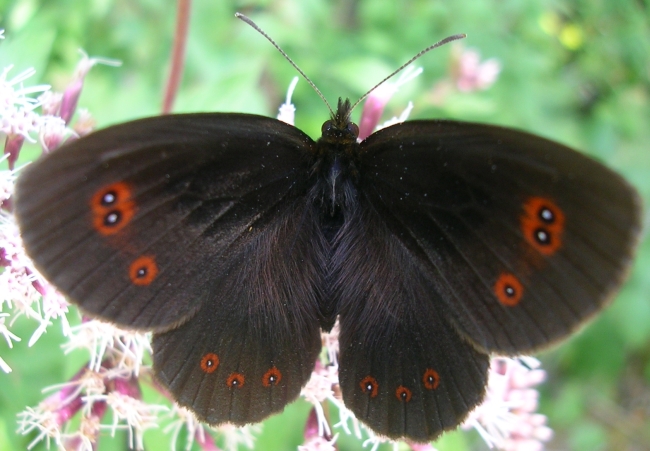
18 115
23 291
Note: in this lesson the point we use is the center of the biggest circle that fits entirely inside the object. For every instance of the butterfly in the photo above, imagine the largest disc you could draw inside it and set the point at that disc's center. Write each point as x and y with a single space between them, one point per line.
237 239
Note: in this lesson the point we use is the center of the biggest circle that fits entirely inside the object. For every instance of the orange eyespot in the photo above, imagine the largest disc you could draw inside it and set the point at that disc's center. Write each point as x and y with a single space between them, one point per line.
143 270
369 386
403 394
107 197
431 379
542 225
235 380
508 289
210 362
112 208
271 377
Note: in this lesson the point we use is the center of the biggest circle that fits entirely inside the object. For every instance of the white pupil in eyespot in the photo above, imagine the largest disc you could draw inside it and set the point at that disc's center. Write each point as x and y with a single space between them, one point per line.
546 214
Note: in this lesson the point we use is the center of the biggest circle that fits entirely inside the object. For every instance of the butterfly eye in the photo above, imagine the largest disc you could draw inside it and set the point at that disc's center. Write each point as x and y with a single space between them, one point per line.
353 129
327 127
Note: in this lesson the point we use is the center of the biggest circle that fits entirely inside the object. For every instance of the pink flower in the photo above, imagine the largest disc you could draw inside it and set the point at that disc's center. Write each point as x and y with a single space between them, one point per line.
73 91
373 107
470 74
506 419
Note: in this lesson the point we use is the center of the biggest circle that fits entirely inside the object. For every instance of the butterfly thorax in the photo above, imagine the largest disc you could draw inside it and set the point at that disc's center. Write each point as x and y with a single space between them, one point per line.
337 157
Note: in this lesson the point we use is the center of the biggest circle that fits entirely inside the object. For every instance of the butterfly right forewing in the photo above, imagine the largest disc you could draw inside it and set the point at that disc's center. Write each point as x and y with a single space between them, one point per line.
522 238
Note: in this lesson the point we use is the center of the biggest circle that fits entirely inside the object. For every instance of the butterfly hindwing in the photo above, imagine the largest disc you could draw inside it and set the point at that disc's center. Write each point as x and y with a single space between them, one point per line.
133 222
522 238
248 352
404 370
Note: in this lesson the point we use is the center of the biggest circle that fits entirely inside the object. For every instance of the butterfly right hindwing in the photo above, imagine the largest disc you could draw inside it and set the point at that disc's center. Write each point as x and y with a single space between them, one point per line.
404 370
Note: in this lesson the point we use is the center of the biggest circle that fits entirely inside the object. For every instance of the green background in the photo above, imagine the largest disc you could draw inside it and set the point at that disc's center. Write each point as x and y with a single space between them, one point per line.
575 71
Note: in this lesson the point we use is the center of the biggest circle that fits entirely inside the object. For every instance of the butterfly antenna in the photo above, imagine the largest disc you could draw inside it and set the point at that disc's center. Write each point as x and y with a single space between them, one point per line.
311 83
447 40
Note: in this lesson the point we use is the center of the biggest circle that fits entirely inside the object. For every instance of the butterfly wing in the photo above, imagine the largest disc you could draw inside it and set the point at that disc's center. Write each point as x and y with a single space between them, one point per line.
189 225
521 238
179 190
404 370
467 239
248 353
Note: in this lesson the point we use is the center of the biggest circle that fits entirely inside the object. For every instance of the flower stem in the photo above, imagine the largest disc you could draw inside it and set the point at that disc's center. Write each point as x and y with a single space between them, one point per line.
178 54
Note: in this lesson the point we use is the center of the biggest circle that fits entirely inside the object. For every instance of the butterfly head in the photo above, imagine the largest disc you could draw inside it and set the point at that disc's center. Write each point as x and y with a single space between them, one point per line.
339 130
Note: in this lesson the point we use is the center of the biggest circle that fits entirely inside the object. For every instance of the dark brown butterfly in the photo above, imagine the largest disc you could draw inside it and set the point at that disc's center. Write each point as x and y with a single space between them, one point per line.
237 239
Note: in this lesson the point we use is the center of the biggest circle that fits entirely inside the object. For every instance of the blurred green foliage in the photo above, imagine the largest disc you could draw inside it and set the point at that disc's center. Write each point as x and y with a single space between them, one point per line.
576 71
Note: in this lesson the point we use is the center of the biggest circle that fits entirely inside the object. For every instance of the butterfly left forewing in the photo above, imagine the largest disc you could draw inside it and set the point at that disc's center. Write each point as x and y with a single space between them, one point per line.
522 238
181 189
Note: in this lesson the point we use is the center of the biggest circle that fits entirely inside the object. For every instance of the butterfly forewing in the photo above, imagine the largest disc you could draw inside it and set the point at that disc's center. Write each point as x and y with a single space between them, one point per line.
522 238
137 220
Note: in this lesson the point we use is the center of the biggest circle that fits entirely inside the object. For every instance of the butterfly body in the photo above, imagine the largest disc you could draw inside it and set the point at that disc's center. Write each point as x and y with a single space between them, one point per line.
237 239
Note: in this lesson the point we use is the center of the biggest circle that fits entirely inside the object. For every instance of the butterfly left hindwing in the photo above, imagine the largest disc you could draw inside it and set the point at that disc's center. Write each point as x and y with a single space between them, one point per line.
250 350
